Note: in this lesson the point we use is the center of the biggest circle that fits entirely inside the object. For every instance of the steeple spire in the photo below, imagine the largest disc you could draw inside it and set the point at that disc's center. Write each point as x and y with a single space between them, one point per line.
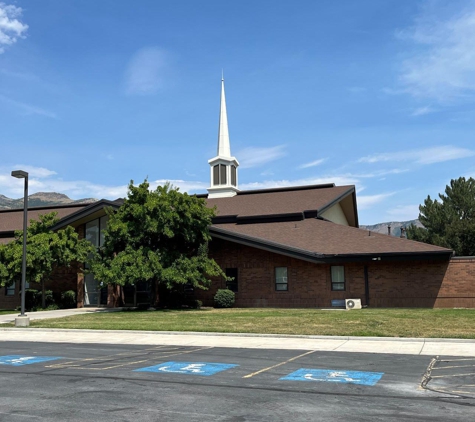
224 177
224 148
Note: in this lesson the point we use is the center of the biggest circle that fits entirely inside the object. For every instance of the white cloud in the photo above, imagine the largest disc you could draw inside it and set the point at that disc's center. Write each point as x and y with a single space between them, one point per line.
442 66
403 212
338 180
255 156
312 163
145 71
367 201
421 111
184 185
28 109
39 172
10 27
44 180
422 156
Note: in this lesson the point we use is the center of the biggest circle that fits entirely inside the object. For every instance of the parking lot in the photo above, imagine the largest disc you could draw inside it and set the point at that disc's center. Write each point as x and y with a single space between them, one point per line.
164 382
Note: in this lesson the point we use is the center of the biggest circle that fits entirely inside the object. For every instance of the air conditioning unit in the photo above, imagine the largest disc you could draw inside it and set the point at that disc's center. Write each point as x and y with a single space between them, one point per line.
353 303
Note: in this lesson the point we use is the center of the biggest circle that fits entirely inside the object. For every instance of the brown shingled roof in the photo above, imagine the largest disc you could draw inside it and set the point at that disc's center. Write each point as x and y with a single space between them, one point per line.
272 202
11 220
324 238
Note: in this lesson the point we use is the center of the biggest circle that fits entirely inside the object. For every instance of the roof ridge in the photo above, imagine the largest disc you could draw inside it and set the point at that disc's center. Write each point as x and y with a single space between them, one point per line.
287 189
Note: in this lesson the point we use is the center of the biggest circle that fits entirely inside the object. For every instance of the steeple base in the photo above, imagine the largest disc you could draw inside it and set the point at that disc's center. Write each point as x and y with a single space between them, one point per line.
222 192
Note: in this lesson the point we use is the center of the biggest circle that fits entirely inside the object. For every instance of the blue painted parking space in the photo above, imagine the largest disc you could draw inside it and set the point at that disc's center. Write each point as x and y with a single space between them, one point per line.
20 360
331 375
189 368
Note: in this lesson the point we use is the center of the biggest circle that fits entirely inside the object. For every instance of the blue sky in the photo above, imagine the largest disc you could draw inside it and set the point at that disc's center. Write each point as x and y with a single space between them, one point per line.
375 93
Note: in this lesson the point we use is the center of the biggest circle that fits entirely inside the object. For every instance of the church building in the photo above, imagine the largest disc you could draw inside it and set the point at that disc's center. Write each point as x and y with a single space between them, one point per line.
285 247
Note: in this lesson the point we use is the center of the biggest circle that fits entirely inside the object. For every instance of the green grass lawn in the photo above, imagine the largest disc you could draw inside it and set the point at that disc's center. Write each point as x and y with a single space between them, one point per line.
7 311
451 323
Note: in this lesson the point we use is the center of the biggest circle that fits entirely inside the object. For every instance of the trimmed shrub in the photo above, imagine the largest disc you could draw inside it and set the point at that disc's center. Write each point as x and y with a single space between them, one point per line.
224 298
195 304
49 300
52 307
68 299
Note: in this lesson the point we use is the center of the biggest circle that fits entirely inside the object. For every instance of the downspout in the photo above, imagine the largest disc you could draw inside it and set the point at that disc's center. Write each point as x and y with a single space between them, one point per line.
366 285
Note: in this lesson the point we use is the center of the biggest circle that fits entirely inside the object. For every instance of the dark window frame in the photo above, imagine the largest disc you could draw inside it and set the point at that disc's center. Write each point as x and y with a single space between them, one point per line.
10 290
216 175
337 283
286 283
234 284
233 176
222 174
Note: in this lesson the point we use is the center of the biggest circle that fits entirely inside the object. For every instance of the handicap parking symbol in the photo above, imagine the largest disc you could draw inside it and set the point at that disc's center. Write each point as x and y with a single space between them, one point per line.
331 375
20 360
188 368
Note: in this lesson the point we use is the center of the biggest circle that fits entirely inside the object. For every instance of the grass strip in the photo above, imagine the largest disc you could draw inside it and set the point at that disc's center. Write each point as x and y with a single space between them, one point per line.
435 323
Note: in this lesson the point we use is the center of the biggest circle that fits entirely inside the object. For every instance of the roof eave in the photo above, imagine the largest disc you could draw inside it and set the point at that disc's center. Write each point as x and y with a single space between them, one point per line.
89 210
327 258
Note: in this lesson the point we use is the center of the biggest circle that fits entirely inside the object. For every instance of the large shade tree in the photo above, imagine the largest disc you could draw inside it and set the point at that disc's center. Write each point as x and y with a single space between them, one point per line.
159 237
46 250
449 222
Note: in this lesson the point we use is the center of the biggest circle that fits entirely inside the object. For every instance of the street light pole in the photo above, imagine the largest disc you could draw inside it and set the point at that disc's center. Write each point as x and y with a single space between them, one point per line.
22 320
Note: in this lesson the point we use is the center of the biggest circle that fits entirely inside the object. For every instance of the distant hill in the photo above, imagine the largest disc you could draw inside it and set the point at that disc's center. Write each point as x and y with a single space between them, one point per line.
395 226
41 199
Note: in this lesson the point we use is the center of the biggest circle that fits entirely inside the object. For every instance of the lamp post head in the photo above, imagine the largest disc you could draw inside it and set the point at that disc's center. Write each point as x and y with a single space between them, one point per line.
20 174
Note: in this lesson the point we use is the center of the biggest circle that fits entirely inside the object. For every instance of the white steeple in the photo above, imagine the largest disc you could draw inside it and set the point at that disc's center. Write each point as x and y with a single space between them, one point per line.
224 178
224 148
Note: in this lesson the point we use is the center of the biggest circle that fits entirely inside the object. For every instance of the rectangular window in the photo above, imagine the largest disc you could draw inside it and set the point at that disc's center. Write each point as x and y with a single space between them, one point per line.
233 175
10 290
233 284
222 174
281 279
92 232
216 175
102 225
338 277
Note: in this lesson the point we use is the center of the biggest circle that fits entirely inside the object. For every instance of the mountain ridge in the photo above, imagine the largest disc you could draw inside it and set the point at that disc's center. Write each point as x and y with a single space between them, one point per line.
42 199
395 226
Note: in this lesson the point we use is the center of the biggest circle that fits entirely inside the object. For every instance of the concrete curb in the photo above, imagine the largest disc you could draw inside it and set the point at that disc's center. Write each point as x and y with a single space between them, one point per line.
216 334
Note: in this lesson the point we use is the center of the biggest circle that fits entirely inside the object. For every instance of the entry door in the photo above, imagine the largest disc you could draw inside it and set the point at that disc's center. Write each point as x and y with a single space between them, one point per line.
91 292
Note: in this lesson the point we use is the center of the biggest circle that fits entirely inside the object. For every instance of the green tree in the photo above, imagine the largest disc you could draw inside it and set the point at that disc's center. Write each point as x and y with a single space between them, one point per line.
449 222
46 250
159 237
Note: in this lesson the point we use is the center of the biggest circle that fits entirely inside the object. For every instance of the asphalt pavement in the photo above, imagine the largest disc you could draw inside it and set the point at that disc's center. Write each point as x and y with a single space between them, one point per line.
123 382
102 375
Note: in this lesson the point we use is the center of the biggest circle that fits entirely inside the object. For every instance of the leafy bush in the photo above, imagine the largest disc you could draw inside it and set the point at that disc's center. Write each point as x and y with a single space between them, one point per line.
49 300
195 304
68 299
33 299
224 298
52 307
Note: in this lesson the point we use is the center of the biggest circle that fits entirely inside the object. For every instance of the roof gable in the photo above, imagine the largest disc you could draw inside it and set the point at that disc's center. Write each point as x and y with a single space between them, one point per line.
250 206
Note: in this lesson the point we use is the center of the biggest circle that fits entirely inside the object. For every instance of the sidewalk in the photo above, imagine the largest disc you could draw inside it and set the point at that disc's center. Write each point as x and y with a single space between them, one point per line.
409 346
59 313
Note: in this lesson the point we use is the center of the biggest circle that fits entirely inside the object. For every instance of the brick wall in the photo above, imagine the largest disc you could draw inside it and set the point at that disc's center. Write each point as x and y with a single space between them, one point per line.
393 284
62 279
309 285
442 284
